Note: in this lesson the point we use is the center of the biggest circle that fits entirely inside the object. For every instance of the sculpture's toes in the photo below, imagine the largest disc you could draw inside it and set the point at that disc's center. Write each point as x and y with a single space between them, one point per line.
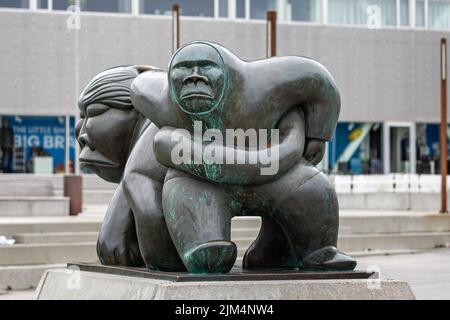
211 257
329 259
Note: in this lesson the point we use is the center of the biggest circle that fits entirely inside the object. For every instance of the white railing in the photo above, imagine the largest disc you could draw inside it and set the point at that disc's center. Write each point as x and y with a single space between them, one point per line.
390 183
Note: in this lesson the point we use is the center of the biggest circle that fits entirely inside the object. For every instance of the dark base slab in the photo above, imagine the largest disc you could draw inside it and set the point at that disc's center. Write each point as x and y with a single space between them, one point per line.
236 274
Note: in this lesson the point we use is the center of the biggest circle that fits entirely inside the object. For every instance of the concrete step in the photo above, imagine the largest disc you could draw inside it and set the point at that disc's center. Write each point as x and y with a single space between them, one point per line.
11 206
400 241
55 237
355 254
26 254
425 201
238 232
376 242
90 181
396 223
11 227
35 188
97 196
93 196
246 222
365 224
24 277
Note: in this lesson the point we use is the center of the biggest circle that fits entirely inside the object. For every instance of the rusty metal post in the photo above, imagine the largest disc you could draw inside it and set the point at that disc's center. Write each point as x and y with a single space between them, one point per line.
175 27
271 33
73 189
443 126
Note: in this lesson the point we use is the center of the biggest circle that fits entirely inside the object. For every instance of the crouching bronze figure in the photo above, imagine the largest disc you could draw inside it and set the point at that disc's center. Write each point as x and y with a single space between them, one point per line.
181 211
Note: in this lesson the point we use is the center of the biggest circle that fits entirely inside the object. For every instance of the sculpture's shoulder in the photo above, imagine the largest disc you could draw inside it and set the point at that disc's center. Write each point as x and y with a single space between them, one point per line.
293 81
142 159
150 96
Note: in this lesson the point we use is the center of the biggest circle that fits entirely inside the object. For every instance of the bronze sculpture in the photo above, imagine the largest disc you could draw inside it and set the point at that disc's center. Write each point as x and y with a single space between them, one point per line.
183 210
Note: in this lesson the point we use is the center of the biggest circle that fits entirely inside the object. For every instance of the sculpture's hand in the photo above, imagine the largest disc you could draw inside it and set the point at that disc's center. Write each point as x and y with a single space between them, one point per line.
117 242
314 151
286 153
163 144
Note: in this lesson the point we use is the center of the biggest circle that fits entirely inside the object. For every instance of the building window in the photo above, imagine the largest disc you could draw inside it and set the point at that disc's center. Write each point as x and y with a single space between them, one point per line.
42 4
24 4
303 10
259 8
420 13
195 8
356 149
355 12
240 8
119 6
223 8
438 14
404 12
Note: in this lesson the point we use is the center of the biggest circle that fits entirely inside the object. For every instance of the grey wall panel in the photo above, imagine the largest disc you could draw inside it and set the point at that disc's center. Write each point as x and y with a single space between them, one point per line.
383 75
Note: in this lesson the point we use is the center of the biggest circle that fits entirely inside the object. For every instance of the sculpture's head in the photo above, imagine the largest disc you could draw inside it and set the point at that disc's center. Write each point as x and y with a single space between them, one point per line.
108 122
197 78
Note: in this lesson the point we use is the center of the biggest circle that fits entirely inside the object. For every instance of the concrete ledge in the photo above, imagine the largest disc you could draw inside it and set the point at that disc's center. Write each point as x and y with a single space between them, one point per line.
23 277
422 201
81 285
20 225
47 253
55 237
33 206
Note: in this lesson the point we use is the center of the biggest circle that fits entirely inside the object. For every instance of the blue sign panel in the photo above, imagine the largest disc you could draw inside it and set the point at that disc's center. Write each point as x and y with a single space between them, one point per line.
43 135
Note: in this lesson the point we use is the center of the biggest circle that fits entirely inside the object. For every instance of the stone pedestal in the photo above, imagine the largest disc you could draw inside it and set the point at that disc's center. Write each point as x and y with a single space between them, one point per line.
76 284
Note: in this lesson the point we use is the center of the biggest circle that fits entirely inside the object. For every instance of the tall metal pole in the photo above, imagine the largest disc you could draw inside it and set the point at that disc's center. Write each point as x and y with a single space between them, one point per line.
271 33
175 27
443 126
76 164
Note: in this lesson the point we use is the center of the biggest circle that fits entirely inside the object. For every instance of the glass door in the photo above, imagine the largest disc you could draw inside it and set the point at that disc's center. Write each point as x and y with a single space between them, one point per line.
399 147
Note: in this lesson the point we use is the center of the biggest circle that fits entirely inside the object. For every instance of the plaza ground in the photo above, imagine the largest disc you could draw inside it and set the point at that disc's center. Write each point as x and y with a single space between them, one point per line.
428 273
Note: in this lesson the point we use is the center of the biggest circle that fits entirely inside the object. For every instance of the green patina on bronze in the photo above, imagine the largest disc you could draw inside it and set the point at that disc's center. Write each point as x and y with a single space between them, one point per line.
206 64
183 211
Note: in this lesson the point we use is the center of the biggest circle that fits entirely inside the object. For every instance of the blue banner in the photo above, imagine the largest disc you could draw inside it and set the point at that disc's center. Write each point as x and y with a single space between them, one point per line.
45 135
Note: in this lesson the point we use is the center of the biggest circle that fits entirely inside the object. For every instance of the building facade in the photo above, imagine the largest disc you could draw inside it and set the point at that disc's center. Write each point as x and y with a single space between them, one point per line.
384 55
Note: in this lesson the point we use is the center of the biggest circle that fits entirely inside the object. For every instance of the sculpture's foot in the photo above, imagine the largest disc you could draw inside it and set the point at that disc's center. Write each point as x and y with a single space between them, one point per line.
211 257
329 259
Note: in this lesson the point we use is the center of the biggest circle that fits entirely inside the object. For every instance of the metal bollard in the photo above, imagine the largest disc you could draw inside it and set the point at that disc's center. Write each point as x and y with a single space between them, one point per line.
73 189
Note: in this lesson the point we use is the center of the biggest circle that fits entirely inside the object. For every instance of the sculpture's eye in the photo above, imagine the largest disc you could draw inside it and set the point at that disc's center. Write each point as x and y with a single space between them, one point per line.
206 65
96 109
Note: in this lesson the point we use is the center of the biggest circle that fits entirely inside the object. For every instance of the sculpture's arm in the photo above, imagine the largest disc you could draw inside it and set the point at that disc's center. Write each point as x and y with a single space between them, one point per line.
149 95
305 83
271 162
117 242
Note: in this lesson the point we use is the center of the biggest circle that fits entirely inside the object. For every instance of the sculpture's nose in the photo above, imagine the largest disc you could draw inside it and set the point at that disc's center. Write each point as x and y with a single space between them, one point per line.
195 77
83 140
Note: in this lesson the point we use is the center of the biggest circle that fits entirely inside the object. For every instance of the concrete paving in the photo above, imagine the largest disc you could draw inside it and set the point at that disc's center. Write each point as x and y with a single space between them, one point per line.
428 273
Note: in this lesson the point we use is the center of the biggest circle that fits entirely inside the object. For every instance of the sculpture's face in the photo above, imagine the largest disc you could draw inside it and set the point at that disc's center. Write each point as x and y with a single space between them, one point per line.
105 136
197 78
